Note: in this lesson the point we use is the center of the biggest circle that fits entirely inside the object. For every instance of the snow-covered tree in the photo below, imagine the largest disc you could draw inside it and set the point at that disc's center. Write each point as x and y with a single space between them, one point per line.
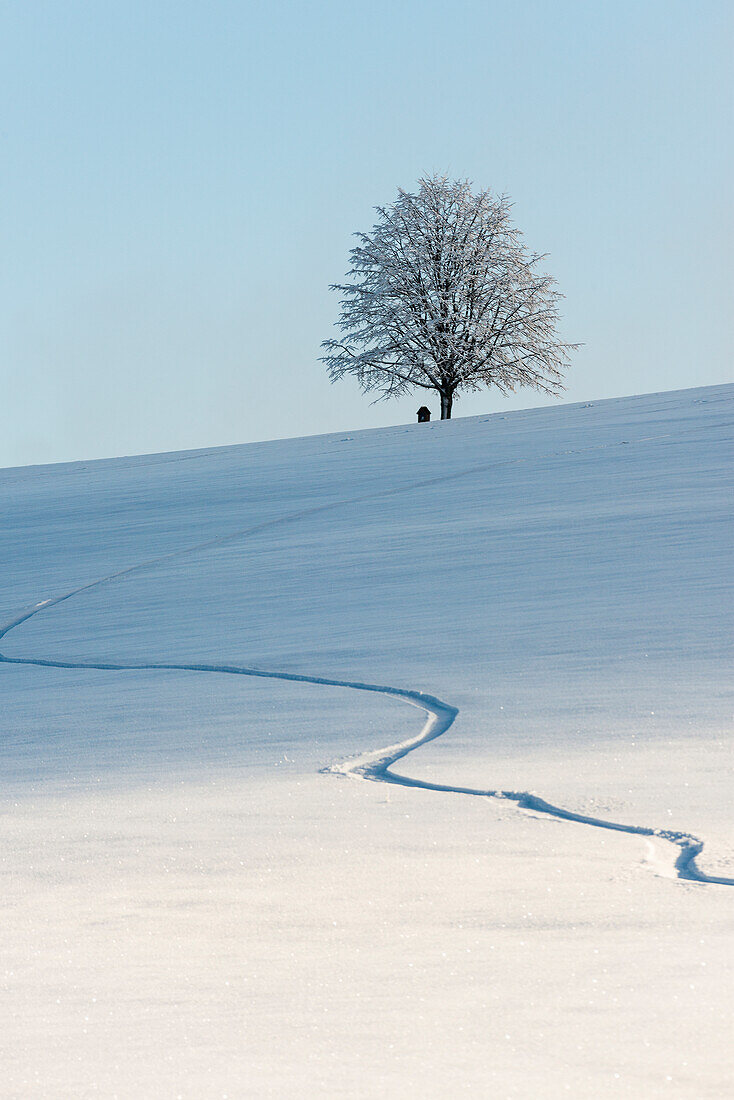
444 296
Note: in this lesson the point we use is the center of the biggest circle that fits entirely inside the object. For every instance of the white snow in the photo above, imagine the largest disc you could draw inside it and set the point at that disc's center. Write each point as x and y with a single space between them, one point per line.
194 905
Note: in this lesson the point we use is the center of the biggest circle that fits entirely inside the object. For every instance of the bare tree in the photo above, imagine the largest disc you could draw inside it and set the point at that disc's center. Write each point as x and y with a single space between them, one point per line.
444 296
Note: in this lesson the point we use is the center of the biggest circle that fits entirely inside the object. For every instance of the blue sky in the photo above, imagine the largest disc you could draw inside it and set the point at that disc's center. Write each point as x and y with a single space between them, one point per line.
182 181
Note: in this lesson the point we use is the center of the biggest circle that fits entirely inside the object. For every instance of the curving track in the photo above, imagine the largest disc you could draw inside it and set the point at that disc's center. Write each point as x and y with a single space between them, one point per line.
375 766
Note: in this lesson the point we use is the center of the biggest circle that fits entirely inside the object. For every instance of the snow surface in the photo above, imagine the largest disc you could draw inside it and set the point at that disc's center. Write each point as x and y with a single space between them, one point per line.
193 907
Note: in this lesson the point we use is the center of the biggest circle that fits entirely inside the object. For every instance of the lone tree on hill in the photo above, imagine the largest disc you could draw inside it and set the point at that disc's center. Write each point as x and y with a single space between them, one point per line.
444 296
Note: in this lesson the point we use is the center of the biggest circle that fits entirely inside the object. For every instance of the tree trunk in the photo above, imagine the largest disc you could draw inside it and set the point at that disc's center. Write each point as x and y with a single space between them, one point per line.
447 400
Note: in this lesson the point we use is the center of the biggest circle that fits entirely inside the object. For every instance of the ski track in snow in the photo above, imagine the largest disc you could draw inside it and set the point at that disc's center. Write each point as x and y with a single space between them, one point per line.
376 765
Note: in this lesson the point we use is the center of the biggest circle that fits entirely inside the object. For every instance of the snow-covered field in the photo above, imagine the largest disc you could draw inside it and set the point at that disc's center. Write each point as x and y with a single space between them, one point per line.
199 899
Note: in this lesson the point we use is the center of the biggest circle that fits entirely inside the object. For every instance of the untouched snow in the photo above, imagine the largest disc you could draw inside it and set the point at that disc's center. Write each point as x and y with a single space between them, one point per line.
194 905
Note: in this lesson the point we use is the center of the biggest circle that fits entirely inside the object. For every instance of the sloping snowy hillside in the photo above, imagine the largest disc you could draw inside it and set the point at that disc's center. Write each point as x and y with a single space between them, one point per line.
203 897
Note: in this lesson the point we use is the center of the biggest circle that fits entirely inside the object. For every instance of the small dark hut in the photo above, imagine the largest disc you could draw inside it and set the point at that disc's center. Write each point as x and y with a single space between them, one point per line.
424 414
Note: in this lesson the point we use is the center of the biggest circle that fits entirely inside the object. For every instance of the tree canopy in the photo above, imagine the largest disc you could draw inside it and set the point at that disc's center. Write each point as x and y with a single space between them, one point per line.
443 295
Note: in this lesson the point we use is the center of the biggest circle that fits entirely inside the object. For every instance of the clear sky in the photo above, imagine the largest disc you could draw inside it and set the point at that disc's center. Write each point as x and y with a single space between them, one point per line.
181 182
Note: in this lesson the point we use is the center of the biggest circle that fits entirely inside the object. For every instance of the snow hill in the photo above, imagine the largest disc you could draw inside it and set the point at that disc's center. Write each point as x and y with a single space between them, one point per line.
516 628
